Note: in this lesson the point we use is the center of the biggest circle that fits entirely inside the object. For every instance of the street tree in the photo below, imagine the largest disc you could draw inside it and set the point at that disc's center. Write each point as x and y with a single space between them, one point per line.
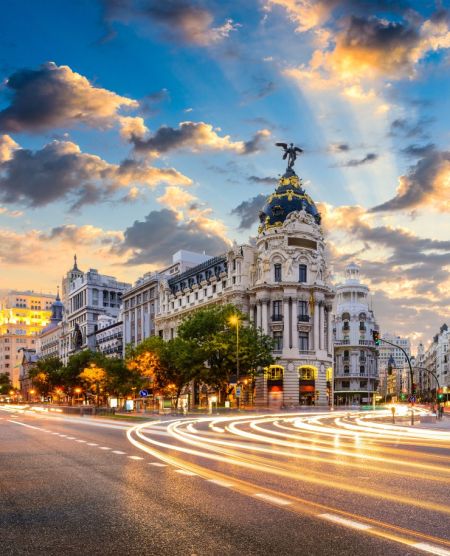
46 375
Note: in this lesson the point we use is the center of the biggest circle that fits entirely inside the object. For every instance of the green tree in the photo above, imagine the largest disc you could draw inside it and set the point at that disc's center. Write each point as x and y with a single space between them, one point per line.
5 383
46 374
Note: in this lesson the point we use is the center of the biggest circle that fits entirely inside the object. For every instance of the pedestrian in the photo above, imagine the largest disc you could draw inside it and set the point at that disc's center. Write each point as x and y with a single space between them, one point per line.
441 411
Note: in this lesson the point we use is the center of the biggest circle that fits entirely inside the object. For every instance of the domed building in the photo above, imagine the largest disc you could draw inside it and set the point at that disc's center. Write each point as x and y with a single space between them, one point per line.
291 298
281 281
356 364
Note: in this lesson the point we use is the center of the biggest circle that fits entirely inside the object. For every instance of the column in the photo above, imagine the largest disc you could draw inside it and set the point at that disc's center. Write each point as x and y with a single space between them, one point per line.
322 326
330 330
258 314
286 324
294 327
316 325
265 323
251 315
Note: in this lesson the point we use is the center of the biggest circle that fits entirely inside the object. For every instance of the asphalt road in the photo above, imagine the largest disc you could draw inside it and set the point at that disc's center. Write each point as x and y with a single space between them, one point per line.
275 485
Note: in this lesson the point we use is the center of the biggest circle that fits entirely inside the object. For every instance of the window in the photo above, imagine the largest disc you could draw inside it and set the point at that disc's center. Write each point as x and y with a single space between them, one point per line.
346 369
214 288
362 369
302 273
303 311
277 272
345 384
363 383
278 339
276 307
303 341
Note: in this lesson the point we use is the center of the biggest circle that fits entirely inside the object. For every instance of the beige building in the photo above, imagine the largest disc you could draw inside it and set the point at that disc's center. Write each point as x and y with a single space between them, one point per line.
281 281
22 317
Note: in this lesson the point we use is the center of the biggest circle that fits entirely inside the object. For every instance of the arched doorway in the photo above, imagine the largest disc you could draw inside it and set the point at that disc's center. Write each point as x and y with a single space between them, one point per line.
274 378
307 375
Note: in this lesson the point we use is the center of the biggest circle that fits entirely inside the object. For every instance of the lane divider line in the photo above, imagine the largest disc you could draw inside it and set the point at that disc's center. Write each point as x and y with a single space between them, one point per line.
431 549
220 483
186 472
104 448
157 464
273 499
118 452
346 522
135 457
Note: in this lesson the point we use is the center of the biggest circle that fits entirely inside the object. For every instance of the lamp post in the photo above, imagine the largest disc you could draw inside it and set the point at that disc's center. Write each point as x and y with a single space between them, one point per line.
235 321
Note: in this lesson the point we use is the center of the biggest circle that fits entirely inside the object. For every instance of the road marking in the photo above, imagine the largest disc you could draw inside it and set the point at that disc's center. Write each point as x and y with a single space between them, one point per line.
63 435
273 499
220 483
346 522
92 444
81 441
24 425
157 464
55 433
185 472
118 452
71 438
104 448
431 549
135 457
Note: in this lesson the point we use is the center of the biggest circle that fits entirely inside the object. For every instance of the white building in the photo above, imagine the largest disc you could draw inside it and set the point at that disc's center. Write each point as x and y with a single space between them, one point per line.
281 281
355 356
109 336
436 359
141 301
396 384
89 295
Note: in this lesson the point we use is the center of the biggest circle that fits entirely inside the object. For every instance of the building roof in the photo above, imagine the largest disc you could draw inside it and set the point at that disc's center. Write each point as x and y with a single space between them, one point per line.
289 197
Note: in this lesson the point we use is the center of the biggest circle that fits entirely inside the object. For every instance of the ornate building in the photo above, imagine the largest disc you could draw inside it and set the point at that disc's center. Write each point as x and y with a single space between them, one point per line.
281 281
356 369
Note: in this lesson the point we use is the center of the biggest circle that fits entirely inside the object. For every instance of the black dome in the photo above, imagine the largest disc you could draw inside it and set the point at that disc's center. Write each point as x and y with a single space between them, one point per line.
289 196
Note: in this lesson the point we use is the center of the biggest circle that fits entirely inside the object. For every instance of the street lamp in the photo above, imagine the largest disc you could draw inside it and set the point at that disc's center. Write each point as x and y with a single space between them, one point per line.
235 321
78 392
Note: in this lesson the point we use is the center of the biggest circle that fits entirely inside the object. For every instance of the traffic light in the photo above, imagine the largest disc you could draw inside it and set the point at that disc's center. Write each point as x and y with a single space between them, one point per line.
376 337
413 389
440 396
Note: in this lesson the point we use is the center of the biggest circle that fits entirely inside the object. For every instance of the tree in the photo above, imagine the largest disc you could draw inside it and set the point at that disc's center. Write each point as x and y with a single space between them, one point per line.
213 334
46 374
95 378
5 383
144 359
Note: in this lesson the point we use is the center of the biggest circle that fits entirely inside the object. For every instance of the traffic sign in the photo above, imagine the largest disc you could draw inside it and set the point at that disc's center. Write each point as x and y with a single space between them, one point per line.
143 393
238 392
412 399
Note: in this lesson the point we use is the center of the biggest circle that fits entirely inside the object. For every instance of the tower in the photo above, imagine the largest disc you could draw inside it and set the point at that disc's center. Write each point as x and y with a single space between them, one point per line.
356 365
291 297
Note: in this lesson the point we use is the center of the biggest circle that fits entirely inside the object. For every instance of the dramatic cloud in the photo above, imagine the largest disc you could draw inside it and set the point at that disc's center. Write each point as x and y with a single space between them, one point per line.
181 21
196 137
7 147
176 198
248 211
55 96
83 235
60 171
267 180
409 128
370 157
168 234
426 184
418 151
369 48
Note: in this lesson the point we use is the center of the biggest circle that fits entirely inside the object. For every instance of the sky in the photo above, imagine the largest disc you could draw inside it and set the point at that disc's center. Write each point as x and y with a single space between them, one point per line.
130 129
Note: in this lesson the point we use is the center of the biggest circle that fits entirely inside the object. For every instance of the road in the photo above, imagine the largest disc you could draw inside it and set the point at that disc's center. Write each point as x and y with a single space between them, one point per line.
317 483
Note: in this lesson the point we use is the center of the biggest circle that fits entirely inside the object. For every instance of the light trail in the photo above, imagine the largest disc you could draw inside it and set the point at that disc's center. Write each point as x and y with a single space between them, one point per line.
242 442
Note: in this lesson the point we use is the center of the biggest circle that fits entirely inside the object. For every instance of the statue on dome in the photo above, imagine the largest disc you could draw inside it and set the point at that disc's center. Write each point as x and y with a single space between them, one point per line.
290 153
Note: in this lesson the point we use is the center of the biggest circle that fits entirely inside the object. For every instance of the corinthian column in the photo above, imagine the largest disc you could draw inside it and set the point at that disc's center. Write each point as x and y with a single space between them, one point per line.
330 330
265 323
286 324
258 314
316 324
322 326
294 329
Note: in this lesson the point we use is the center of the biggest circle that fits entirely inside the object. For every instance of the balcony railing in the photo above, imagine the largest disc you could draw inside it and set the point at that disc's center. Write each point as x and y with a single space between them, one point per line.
366 342
362 359
277 318
342 342
303 318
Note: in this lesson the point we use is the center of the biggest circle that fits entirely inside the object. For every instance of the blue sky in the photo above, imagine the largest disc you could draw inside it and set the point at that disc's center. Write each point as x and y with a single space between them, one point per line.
124 120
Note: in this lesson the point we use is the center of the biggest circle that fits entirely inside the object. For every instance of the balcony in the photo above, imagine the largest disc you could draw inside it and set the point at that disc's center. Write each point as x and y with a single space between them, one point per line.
303 318
306 352
277 318
366 342
342 342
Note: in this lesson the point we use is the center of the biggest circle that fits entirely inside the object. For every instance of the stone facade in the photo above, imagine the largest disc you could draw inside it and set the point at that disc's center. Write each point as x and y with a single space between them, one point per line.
281 281
355 356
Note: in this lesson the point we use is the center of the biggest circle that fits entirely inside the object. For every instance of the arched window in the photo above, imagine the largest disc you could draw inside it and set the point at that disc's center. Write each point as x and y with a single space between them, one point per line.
274 372
307 372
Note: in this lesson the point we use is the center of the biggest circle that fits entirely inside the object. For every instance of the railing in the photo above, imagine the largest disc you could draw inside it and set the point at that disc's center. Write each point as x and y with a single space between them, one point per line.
277 318
362 359
306 352
366 343
303 318
342 342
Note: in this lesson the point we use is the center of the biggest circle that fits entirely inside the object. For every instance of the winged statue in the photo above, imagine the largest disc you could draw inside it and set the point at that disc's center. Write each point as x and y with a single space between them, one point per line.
290 152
